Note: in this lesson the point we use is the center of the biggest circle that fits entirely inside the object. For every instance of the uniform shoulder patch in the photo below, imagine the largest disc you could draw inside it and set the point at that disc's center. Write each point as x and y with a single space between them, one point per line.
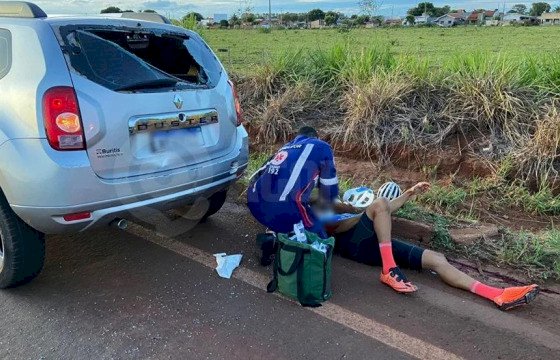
279 158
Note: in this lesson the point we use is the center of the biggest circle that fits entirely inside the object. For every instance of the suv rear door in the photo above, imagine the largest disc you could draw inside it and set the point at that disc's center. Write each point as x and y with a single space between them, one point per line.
151 100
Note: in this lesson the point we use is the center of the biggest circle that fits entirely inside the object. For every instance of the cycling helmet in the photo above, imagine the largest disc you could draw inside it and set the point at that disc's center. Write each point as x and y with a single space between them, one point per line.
361 197
389 191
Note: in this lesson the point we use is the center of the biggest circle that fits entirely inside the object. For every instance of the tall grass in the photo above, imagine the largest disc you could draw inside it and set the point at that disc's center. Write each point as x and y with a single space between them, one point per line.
372 101
542 73
539 154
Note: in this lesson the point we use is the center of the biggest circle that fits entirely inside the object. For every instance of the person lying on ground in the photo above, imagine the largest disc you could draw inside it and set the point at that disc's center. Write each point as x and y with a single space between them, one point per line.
279 196
366 238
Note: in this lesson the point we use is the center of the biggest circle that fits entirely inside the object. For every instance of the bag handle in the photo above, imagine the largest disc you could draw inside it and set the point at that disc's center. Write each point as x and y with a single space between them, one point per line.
297 259
297 265
273 285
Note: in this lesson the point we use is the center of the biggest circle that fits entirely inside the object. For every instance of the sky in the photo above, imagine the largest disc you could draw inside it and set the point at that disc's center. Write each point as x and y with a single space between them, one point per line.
177 8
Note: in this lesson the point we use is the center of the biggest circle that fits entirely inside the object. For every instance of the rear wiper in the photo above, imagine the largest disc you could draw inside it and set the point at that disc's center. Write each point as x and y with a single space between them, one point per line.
149 84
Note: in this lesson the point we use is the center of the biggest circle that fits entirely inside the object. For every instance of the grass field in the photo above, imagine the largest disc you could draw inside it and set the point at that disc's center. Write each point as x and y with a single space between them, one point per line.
374 90
250 47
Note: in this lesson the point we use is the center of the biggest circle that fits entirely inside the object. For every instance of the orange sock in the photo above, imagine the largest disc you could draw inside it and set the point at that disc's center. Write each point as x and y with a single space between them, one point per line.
486 291
387 256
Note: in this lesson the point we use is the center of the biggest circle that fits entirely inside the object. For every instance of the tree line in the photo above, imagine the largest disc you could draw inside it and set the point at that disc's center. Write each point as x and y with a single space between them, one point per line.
368 10
117 10
537 9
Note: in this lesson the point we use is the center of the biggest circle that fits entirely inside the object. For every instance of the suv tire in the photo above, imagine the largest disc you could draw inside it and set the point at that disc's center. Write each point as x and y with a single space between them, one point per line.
22 248
216 202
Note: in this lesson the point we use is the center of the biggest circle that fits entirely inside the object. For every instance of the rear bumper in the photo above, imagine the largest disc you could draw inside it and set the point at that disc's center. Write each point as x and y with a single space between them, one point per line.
50 221
46 185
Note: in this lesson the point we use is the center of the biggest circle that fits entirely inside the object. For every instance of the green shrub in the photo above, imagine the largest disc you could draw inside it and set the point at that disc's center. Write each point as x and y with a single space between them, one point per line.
542 202
189 22
537 253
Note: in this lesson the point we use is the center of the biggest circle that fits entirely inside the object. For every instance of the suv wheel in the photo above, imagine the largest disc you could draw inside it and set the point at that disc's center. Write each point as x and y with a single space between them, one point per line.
22 248
216 202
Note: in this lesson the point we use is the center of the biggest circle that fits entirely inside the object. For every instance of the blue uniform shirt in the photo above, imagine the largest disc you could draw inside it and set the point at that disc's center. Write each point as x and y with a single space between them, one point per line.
284 184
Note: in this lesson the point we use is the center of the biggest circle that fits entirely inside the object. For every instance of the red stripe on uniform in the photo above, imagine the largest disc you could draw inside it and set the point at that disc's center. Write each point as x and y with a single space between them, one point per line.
303 211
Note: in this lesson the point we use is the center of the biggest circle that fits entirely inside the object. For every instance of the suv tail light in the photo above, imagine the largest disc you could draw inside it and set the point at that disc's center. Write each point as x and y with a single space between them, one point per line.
237 104
63 124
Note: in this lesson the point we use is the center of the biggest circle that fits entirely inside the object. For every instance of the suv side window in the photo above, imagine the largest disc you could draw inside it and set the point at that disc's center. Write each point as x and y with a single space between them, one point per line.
5 52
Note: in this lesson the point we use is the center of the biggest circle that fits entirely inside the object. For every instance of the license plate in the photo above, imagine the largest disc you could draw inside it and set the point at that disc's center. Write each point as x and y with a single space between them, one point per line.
177 140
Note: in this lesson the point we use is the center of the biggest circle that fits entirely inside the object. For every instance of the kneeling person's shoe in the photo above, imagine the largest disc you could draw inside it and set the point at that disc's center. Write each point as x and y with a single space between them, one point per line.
267 245
398 281
516 296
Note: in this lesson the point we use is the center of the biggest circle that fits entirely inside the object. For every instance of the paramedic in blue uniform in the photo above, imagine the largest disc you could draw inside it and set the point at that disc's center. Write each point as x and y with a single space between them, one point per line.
279 194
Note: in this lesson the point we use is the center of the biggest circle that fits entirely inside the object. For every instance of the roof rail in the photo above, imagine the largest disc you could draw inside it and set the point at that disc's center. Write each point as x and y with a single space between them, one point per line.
21 9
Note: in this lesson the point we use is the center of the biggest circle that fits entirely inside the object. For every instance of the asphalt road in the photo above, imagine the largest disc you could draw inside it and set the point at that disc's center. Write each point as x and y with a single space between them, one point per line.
143 293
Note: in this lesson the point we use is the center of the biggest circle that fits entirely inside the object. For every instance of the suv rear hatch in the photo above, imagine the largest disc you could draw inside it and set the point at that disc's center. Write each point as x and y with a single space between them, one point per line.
151 100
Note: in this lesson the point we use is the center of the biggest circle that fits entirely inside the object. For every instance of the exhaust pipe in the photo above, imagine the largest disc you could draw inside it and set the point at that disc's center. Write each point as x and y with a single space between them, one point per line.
121 224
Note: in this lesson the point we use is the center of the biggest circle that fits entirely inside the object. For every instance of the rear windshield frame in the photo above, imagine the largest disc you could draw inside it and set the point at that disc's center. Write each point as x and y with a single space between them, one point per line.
205 57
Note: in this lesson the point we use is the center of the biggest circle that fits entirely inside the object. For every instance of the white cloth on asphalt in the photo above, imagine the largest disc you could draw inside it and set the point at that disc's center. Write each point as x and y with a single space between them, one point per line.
226 264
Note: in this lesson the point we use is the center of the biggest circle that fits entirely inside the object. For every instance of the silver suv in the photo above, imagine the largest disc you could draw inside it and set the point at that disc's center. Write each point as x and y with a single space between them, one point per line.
102 118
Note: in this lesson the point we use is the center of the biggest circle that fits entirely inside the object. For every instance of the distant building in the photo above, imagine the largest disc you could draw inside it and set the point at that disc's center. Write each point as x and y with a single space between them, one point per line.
492 22
424 19
515 18
473 18
446 21
317 24
206 22
489 14
461 14
496 20
393 22
451 19
550 18
480 17
296 25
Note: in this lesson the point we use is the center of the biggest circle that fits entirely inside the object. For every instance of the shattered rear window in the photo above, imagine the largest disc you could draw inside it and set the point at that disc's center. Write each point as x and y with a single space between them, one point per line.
121 59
